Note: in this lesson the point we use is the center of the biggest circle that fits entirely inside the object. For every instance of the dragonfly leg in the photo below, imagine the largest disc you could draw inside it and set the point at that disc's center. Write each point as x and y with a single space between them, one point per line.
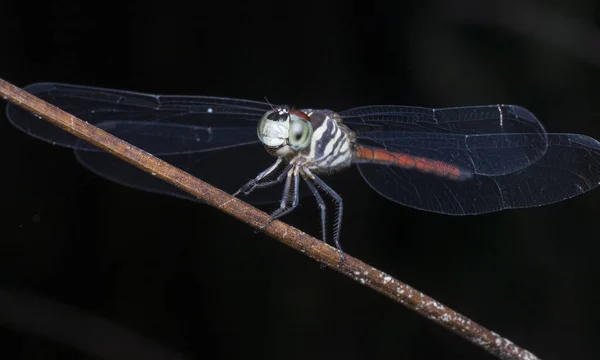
322 206
340 208
251 185
284 208
268 183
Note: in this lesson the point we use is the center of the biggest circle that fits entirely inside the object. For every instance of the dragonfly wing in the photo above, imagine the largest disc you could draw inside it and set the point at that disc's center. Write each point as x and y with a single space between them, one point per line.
182 130
483 154
570 167
487 140
227 169
149 115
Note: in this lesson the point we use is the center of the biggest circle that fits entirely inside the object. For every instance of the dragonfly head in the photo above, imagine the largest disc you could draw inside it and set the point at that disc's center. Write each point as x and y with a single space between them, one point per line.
284 131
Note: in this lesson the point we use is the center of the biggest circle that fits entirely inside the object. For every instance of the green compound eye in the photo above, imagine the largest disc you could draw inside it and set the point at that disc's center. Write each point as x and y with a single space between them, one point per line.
273 128
300 133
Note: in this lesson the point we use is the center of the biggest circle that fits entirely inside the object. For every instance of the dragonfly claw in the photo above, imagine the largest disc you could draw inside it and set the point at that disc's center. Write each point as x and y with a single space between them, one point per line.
266 224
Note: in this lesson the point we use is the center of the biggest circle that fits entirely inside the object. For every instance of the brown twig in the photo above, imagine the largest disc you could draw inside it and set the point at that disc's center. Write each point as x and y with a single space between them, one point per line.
351 267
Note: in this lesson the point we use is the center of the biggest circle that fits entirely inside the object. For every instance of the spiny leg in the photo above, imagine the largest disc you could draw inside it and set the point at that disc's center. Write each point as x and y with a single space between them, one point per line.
284 199
283 207
277 180
322 206
340 208
251 184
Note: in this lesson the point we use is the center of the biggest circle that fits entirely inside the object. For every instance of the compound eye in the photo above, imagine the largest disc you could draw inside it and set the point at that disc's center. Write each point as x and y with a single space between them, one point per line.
300 133
271 131
261 125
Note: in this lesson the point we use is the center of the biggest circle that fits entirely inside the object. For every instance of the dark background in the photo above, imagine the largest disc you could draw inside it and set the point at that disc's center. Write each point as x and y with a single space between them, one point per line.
173 279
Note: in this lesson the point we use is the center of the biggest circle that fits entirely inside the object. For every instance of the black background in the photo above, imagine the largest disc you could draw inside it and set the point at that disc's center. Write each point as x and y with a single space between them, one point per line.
176 279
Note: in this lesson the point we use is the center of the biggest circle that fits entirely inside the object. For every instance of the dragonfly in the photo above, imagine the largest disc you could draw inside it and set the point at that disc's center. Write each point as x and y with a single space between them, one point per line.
457 161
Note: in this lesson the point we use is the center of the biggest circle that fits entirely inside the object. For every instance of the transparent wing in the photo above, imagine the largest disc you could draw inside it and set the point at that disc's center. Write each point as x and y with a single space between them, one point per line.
185 131
570 167
504 153
184 124
487 140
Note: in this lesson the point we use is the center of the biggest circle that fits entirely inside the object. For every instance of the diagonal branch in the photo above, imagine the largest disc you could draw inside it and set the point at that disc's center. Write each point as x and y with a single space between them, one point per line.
351 267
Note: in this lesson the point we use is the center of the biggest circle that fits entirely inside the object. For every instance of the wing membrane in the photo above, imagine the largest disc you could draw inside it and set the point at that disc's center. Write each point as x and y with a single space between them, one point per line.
570 167
486 140
174 128
146 116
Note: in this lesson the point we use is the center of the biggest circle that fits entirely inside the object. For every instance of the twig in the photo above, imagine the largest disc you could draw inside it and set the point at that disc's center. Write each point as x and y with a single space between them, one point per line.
351 267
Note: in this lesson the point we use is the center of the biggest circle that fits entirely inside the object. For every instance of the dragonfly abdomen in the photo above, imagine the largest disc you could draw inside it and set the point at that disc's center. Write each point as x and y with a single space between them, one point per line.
366 154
